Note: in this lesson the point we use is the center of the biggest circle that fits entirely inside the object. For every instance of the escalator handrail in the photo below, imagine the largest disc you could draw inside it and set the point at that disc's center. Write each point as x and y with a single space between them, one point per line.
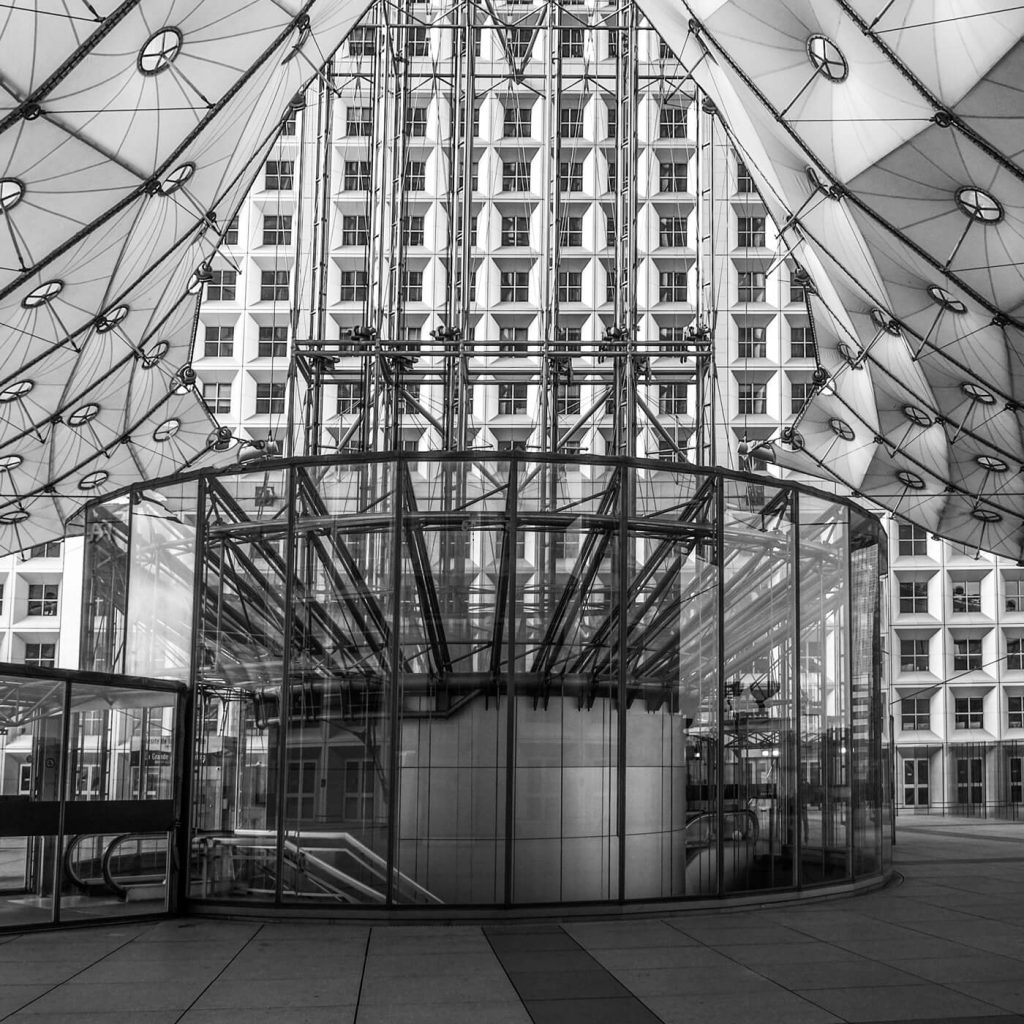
112 884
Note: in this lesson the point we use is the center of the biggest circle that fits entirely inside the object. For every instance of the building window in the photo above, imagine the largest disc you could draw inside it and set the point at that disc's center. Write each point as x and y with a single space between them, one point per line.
750 234
417 43
753 399
915 713
800 392
672 122
231 235
515 231
967 655
514 286
279 175
672 399
673 339
801 343
515 176
358 791
753 343
751 286
570 122
672 286
967 596
744 182
516 122
968 713
221 286
41 655
42 598
912 540
570 176
277 229
217 397
1015 653
269 399
350 397
613 122
672 177
610 235
416 122
416 176
572 44
672 232
913 654
274 285
568 403
353 230
356 177
570 286
511 399
51 549
1015 708
412 228
219 342
611 283
511 340
359 122
520 42
353 286
568 338
288 125
272 342
1013 595
361 41
797 292
913 597
570 231
664 52
412 285
612 179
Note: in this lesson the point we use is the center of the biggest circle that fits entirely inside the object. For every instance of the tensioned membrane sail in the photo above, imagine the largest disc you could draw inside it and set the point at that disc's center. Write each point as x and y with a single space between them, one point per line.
129 135
885 137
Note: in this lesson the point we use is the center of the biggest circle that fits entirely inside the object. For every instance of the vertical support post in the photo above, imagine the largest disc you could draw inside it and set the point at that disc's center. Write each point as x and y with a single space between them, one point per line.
705 446
799 794
510 681
720 627
284 700
625 573
62 802
394 697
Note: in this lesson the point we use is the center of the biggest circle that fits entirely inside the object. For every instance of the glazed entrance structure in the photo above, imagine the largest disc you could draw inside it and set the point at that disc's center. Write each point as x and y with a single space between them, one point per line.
515 679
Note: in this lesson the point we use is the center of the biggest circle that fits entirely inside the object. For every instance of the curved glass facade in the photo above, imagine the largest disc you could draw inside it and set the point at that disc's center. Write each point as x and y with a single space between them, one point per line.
448 680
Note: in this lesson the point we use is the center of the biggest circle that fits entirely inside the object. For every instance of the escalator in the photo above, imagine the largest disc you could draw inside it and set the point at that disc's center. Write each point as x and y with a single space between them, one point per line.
128 867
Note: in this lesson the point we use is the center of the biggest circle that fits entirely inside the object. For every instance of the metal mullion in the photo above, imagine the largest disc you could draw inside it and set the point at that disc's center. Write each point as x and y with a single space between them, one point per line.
62 800
394 701
185 713
284 698
720 629
627 480
510 679
796 634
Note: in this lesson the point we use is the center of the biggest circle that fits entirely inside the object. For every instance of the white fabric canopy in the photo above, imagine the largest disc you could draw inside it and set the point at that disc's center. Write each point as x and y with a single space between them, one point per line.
129 135
885 135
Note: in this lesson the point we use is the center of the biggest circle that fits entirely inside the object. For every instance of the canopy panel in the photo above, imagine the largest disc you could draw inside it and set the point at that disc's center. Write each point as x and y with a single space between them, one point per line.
129 135
885 135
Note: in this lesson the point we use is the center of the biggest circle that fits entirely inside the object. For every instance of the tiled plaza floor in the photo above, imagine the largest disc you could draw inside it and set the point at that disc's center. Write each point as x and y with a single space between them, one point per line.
946 944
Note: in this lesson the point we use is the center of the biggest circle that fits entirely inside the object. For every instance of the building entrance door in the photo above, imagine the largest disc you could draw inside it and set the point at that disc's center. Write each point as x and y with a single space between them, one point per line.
970 784
915 782
1015 789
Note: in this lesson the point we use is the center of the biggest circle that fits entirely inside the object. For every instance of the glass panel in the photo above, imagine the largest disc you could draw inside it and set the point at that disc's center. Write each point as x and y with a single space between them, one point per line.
453 726
566 488
460 486
106 586
31 725
241 664
868 802
120 752
824 707
671 728
338 750
566 685
162 584
760 814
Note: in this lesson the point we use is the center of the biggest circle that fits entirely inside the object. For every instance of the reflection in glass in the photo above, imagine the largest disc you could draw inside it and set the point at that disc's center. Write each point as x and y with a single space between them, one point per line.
519 679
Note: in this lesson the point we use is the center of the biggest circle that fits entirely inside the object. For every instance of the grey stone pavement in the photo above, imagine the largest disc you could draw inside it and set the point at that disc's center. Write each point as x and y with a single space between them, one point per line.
945 944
